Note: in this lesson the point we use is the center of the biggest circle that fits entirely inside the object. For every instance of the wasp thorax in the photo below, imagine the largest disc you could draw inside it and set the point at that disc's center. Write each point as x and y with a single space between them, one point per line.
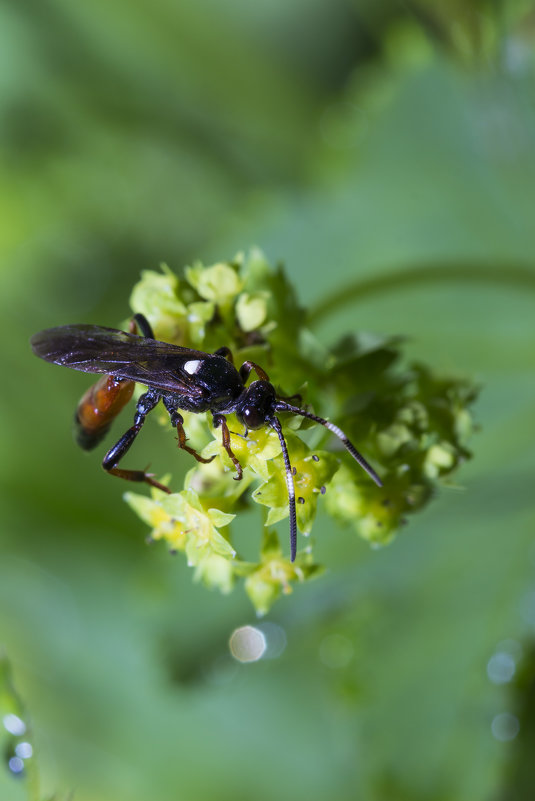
257 404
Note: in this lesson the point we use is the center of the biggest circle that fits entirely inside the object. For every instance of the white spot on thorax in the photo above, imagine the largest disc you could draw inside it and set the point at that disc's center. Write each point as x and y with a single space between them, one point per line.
192 366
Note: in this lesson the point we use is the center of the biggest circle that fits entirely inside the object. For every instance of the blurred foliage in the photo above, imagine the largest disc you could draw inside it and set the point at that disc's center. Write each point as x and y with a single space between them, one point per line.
16 744
520 773
386 152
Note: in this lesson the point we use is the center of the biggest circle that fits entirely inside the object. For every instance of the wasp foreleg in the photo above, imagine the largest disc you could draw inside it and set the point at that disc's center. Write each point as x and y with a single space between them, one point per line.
177 421
220 422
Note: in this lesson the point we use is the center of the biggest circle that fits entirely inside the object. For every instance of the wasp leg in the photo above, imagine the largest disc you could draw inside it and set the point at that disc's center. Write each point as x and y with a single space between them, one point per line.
220 421
177 421
246 368
225 352
145 404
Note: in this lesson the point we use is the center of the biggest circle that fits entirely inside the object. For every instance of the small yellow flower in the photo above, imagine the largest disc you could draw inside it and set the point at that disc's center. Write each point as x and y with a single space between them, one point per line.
184 524
275 574
157 297
312 470
163 525
219 283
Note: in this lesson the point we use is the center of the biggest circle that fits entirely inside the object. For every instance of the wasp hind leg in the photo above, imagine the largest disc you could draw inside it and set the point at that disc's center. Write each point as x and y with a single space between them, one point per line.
145 404
145 329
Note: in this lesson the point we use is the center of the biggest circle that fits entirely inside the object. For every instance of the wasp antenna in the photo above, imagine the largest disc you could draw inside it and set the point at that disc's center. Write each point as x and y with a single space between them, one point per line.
286 407
274 422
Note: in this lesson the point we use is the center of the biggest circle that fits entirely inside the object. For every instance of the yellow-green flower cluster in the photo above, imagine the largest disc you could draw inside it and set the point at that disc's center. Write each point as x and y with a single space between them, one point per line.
181 520
274 575
230 303
411 425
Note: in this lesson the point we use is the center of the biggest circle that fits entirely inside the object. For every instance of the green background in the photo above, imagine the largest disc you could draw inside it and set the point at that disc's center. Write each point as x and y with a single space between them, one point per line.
382 151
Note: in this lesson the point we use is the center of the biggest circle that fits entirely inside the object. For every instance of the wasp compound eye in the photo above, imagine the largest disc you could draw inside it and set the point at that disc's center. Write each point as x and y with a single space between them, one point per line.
252 417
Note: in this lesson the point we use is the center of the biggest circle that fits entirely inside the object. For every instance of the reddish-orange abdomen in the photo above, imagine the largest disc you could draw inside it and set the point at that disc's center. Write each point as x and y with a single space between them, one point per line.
98 407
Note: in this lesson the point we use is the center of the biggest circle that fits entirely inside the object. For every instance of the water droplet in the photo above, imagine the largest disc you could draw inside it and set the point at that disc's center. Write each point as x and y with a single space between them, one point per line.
24 750
501 667
16 765
505 727
247 644
14 725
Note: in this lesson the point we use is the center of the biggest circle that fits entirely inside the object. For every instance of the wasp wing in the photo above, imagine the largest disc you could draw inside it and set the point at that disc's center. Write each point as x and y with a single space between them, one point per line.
96 349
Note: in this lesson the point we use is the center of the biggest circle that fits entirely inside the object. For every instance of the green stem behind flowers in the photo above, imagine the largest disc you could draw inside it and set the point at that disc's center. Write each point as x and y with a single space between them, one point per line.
513 276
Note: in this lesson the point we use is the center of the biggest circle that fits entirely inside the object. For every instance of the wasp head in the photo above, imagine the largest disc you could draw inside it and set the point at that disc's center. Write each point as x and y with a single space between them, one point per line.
256 405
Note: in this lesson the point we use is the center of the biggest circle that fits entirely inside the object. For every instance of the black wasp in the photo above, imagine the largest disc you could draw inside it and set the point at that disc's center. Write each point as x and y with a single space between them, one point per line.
181 378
